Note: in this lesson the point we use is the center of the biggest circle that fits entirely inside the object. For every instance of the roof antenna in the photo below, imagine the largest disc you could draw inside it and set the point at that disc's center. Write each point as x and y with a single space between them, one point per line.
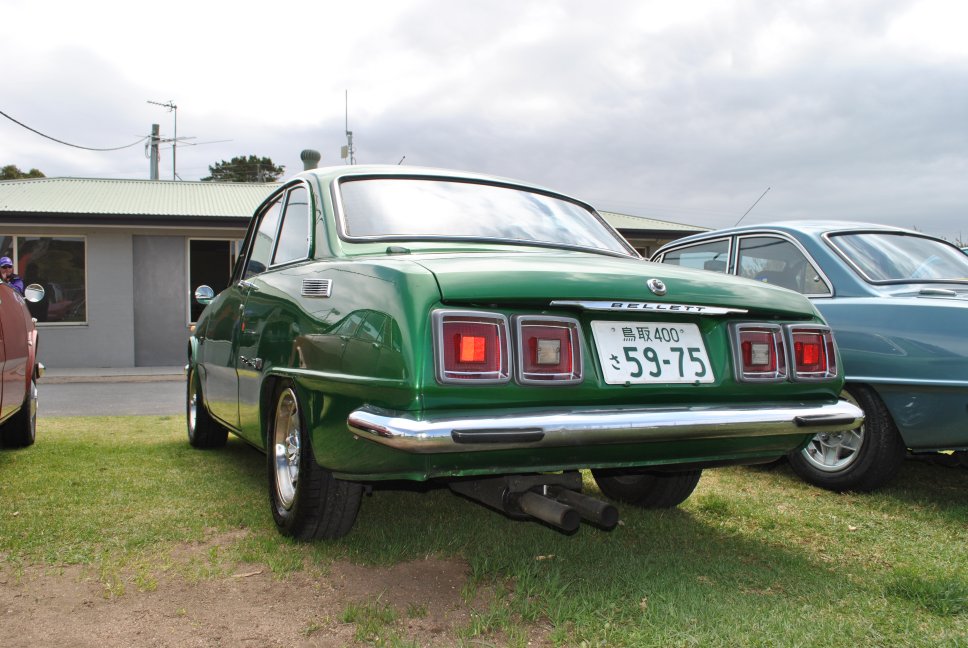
751 207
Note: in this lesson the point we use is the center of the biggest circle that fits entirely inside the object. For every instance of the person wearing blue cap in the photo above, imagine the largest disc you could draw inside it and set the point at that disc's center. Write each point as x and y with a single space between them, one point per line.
8 276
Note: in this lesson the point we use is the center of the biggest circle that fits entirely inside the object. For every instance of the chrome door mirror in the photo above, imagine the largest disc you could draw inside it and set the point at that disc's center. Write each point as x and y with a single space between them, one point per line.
204 295
34 293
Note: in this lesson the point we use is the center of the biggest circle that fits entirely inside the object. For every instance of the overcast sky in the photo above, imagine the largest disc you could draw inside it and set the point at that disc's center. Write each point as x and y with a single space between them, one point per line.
683 111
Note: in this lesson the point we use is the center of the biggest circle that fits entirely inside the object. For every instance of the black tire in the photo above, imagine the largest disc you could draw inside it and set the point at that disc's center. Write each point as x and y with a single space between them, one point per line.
203 430
307 502
861 459
20 430
651 489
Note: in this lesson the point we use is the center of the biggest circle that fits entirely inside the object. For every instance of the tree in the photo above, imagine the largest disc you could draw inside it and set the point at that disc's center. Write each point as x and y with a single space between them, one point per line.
245 169
12 172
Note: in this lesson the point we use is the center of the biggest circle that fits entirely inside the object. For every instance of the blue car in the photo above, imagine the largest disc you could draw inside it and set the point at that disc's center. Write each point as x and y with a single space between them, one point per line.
897 301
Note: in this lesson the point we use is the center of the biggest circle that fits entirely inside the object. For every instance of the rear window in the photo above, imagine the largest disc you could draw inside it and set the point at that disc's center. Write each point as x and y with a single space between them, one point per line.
899 257
432 208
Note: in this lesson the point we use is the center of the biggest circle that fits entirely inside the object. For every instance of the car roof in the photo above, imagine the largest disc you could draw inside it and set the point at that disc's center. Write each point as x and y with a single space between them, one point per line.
819 226
328 174
812 228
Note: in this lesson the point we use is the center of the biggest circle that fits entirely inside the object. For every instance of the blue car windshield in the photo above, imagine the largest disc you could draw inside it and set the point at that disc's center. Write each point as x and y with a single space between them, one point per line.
899 257
436 209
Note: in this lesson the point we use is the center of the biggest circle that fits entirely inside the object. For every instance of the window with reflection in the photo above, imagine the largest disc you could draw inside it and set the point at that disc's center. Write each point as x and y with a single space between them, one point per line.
713 256
888 256
777 261
58 263
294 233
263 241
430 208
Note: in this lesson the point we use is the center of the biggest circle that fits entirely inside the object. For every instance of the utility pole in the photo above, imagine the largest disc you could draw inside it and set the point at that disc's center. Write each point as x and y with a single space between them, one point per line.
347 152
170 105
153 165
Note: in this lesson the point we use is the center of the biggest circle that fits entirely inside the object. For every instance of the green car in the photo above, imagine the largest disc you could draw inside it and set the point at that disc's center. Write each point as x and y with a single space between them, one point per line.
394 323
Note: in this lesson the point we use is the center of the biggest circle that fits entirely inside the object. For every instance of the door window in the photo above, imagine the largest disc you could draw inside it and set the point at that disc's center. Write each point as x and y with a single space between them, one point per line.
713 255
777 261
294 232
263 241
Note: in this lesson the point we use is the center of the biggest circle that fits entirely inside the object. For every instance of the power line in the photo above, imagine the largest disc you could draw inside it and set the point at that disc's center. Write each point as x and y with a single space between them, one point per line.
54 139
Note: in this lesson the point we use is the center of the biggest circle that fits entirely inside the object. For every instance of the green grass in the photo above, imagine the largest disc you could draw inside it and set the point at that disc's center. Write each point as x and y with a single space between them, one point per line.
753 558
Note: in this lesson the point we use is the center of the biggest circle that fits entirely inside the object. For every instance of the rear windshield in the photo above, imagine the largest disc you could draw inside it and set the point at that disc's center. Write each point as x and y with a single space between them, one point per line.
422 208
900 257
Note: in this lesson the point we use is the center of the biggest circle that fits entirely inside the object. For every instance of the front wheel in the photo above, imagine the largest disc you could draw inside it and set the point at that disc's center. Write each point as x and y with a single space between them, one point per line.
861 459
651 489
20 430
307 502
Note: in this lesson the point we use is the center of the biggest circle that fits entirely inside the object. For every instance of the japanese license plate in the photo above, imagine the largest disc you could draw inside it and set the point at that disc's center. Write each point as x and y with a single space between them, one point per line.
651 352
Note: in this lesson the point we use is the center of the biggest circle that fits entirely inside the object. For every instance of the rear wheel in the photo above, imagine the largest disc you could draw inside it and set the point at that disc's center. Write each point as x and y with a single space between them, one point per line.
307 502
861 459
20 430
203 430
647 488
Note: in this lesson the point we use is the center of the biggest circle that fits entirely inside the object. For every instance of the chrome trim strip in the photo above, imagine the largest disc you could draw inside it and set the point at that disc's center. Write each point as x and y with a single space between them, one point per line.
652 307
438 431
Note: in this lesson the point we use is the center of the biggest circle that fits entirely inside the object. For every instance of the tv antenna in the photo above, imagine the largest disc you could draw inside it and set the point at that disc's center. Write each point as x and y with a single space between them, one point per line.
172 108
348 152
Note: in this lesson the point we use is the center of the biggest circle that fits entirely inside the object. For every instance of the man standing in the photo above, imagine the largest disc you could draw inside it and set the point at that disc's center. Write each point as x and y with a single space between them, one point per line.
8 276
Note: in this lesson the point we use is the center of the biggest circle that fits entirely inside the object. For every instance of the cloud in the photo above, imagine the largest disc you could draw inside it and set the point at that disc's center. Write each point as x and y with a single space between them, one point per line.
676 112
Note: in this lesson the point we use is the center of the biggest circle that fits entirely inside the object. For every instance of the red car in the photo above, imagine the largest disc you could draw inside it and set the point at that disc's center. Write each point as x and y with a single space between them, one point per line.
20 369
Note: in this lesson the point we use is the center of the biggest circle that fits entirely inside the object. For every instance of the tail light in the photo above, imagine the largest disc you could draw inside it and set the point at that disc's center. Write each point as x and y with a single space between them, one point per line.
548 350
471 347
759 351
813 354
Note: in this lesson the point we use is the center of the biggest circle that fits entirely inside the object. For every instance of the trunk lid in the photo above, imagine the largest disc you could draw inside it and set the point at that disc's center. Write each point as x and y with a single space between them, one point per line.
540 277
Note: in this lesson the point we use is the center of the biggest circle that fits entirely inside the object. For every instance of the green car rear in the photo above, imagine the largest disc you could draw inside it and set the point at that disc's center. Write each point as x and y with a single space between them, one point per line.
505 344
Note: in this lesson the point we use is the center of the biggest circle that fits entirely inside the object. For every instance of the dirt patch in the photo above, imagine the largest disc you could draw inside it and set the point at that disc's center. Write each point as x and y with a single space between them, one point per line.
72 606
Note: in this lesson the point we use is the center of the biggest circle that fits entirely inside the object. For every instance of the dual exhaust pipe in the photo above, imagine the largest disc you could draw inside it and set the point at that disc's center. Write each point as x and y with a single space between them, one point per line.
553 499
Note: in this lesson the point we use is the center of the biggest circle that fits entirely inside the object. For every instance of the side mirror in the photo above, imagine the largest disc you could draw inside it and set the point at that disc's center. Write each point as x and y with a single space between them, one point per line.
204 295
34 293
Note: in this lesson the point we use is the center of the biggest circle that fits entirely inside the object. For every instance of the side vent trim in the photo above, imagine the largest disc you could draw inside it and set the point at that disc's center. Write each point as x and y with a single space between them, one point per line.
317 287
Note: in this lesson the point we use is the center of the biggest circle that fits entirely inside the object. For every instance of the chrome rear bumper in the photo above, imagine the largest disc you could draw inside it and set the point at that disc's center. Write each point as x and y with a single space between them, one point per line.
456 431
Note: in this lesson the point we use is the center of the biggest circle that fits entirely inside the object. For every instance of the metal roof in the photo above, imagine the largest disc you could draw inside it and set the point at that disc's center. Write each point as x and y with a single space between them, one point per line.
100 196
66 200
638 223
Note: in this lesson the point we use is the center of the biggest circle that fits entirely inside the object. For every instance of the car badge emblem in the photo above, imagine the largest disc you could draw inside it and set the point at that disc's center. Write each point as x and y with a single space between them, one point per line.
657 286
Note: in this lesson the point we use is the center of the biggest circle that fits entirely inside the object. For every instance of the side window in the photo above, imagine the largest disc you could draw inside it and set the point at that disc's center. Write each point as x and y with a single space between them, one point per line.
294 233
779 262
703 256
263 241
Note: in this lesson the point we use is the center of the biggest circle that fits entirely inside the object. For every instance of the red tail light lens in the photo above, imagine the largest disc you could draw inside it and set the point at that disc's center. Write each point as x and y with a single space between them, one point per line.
814 353
471 347
759 352
549 350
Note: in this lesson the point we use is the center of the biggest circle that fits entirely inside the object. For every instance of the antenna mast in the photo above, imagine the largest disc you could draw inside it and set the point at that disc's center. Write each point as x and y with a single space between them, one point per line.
348 152
170 105
751 207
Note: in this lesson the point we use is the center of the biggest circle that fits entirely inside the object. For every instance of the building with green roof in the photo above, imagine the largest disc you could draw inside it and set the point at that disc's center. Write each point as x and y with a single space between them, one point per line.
120 259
